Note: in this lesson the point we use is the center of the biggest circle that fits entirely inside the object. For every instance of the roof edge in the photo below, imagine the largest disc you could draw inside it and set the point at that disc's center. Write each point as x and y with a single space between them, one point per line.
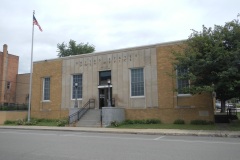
114 51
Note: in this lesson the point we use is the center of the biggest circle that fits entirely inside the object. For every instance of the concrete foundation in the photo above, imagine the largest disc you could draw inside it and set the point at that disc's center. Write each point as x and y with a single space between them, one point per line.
110 114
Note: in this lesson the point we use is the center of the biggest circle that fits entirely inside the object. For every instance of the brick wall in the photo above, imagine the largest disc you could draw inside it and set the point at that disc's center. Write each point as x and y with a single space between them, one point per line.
8 74
22 89
171 106
12 115
47 109
12 72
2 84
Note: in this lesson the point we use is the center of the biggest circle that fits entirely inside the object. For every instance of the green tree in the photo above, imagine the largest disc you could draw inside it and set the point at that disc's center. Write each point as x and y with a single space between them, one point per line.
74 49
212 57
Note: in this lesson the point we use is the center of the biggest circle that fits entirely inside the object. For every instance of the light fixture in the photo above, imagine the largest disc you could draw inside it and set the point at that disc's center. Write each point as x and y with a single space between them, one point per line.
109 81
76 84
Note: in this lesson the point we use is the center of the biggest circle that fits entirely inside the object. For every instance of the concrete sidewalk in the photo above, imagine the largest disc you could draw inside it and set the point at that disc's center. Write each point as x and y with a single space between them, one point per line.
209 133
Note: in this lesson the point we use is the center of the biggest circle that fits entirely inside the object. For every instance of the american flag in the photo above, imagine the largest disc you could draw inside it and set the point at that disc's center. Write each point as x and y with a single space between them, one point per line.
35 22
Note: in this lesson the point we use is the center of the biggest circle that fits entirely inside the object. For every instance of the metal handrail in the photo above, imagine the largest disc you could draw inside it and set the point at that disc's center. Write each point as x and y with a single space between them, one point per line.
78 115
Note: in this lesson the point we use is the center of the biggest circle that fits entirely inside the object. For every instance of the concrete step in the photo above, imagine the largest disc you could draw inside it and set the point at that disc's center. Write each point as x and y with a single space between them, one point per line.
90 119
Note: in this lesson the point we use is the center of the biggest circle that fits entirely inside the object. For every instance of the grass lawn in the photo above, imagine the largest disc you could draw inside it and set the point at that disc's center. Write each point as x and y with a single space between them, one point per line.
50 124
233 126
169 126
47 123
37 122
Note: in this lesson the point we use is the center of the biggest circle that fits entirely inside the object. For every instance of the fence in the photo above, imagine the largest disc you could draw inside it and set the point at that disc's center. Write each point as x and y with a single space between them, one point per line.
13 107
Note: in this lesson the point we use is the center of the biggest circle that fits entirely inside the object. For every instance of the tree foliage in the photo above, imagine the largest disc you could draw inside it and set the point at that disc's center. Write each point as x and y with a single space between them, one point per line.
212 57
74 49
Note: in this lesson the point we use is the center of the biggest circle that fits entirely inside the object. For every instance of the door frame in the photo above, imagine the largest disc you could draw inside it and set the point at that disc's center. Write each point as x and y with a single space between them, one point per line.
99 98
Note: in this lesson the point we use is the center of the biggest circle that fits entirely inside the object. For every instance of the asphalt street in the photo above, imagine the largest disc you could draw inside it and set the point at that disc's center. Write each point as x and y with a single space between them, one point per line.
66 145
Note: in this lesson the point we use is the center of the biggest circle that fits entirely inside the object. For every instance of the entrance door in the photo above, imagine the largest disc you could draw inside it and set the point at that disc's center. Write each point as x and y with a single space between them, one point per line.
103 97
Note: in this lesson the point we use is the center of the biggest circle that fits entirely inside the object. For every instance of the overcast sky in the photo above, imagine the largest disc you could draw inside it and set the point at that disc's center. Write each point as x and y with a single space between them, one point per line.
106 24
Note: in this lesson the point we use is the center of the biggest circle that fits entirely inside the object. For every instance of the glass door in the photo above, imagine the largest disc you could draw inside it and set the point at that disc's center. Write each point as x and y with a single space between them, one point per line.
103 97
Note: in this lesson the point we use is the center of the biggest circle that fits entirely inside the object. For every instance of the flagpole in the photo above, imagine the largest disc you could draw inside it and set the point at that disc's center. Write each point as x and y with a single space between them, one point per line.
30 85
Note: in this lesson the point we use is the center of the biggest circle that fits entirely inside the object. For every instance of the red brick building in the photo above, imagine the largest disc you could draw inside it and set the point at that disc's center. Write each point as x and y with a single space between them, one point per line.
8 76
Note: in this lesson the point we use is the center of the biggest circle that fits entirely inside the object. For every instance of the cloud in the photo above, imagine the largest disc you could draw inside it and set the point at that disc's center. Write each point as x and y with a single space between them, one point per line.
106 24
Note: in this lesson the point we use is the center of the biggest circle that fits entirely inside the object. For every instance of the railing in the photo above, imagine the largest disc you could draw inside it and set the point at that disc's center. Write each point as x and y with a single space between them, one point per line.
77 115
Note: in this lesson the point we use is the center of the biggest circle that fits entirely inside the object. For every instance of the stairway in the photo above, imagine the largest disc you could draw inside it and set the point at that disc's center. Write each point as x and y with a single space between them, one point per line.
90 119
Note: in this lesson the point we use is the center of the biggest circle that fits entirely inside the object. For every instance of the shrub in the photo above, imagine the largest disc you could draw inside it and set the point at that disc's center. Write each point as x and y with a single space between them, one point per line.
238 105
34 121
115 124
128 122
201 122
179 121
9 122
153 121
4 108
62 122
25 122
46 120
147 121
31 122
139 121
19 122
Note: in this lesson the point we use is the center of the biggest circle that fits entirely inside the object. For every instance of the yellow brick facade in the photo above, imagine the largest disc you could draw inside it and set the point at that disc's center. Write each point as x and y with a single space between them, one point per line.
22 96
171 106
47 109
12 116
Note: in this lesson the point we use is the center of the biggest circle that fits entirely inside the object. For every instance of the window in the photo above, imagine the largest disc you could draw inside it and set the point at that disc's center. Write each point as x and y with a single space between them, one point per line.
8 85
46 89
182 83
137 82
104 76
77 90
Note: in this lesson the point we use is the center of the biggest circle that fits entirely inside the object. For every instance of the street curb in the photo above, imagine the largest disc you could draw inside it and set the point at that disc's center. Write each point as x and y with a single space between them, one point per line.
169 132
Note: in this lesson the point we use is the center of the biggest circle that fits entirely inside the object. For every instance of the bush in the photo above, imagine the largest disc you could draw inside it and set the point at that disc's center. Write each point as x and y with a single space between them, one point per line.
201 122
9 122
4 108
139 122
19 122
128 122
179 121
238 105
31 122
46 120
147 121
41 122
62 122
115 124
153 121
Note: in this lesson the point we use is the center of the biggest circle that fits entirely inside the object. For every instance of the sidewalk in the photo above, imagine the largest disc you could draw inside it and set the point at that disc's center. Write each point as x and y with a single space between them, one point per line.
209 133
